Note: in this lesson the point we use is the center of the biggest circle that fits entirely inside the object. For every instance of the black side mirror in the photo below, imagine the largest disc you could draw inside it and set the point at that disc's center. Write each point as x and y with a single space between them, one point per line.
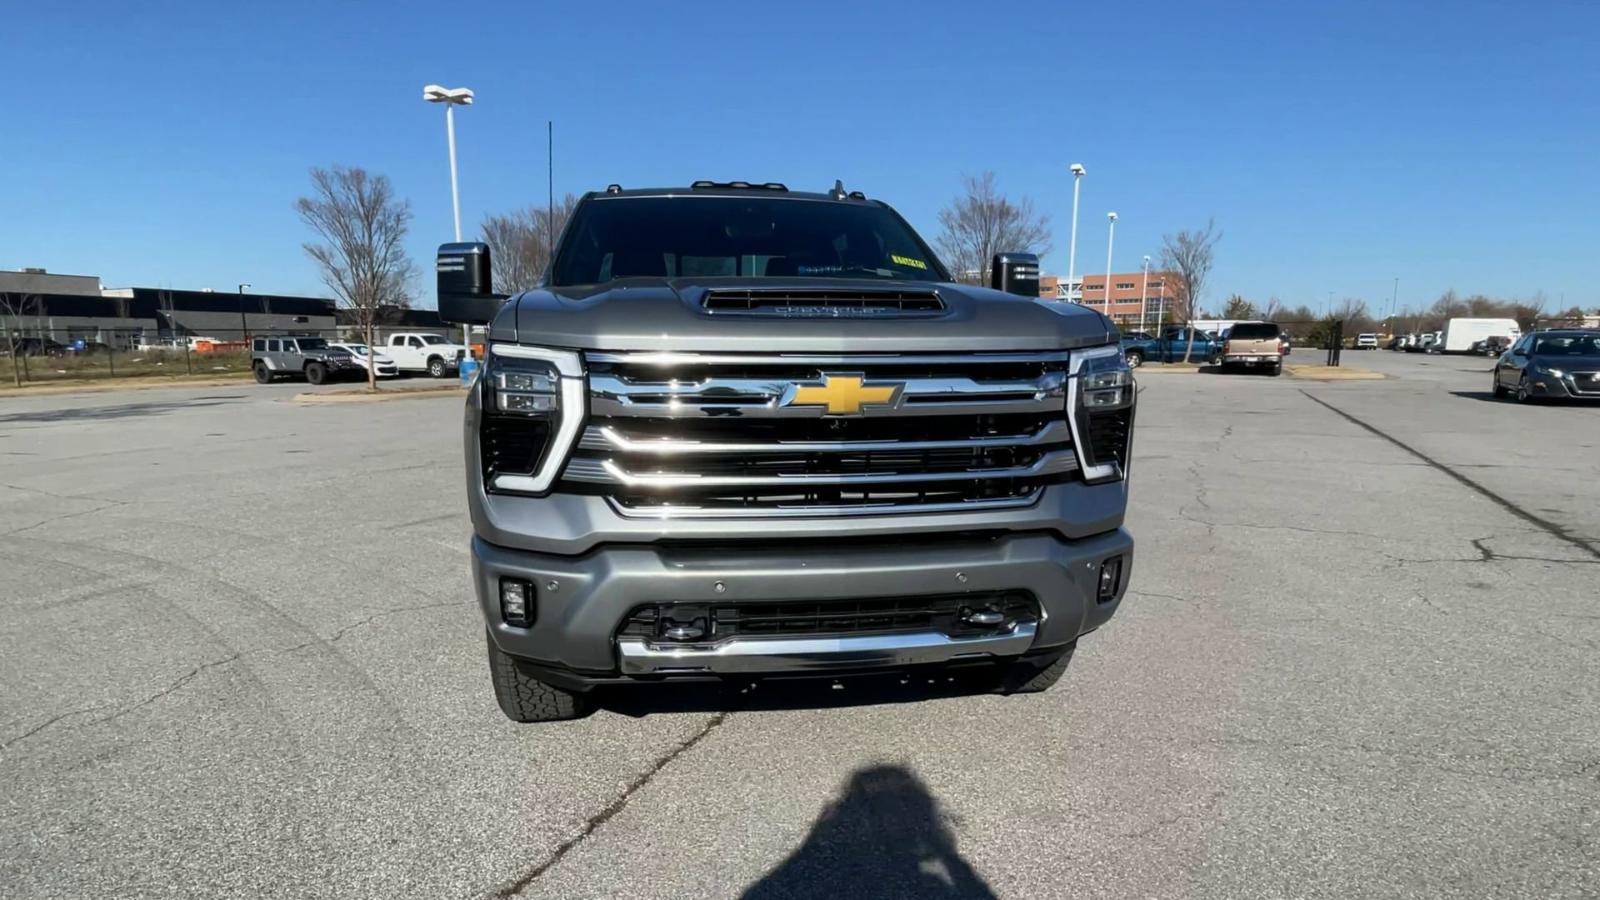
1519 352
465 292
1015 273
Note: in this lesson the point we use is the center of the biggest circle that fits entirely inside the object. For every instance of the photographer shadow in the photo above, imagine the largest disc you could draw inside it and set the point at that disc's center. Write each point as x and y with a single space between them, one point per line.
885 838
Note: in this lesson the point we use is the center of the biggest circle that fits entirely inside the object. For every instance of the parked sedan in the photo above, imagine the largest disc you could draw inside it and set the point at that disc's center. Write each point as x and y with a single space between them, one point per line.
1544 364
386 365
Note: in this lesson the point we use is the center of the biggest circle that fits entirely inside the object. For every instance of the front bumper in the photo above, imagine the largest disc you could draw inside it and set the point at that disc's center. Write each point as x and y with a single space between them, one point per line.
581 602
1573 385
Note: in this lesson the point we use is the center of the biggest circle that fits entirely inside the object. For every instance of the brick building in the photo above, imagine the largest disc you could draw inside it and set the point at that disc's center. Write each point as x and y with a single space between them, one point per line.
1090 291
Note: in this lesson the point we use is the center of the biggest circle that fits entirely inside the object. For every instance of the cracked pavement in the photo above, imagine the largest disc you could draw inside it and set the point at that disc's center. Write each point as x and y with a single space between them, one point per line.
1358 658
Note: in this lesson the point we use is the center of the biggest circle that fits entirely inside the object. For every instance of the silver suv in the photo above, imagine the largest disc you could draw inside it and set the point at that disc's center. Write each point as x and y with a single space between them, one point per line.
301 356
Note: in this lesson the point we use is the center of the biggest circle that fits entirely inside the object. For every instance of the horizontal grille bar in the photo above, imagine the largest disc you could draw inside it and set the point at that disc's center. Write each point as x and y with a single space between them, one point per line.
667 359
778 509
608 437
606 471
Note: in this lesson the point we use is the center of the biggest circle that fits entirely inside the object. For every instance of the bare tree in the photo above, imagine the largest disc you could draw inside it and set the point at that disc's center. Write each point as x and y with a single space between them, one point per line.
520 241
1189 255
12 308
1274 310
363 260
982 222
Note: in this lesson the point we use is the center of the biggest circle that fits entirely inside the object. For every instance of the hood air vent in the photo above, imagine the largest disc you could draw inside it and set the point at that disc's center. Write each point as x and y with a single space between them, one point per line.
823 304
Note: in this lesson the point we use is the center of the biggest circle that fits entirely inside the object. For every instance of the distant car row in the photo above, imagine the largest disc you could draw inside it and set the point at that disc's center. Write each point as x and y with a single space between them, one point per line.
319 360
1485 337
1247 345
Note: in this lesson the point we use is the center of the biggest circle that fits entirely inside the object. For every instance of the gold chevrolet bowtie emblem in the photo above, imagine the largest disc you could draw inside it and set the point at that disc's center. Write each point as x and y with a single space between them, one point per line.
844 395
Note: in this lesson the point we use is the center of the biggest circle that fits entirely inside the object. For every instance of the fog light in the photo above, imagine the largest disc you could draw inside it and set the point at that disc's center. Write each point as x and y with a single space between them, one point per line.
516 602
1110 579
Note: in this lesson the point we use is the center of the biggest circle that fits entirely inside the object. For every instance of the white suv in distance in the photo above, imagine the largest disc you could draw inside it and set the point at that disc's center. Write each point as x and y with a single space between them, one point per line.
386 367
1366 342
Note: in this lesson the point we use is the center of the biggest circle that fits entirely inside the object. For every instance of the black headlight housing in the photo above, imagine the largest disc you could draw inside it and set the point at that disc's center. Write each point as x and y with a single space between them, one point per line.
531 403
1102 399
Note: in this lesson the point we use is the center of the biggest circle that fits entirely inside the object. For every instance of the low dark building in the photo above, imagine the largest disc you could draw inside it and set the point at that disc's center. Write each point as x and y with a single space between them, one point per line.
61 308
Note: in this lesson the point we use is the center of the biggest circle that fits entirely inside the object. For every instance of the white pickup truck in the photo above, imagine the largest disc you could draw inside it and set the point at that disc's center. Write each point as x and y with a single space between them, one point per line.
416 351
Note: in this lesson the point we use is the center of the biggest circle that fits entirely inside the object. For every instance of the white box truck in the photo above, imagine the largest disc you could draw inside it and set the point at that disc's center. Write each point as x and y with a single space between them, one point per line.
1459 335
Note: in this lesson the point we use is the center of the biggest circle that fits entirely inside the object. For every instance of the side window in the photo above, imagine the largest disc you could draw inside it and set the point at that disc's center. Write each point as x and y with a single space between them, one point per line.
259 345
272 346
415 341
289 347
1522 344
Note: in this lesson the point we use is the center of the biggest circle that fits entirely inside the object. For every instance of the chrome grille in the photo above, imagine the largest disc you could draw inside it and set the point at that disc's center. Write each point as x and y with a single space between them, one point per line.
737 435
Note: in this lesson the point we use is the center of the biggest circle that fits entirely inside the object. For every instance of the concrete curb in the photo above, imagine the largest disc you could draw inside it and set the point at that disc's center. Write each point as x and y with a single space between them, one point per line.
132 383
1327 373
363 396
1158 368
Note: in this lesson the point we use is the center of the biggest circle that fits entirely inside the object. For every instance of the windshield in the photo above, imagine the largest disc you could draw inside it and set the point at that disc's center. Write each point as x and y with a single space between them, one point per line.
1254 331
768 237
434 339
357 349
1568 345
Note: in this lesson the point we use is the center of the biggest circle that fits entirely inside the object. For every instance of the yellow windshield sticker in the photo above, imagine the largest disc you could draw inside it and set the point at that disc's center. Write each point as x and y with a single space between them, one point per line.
907 261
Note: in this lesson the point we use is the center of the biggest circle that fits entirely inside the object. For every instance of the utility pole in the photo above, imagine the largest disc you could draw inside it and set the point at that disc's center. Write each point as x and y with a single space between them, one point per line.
1111 240
1144 291
1072 249
244 329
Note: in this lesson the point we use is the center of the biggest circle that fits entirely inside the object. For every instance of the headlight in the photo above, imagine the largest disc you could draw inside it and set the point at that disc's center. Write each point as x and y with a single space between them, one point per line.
532 405
1101 409
1546 370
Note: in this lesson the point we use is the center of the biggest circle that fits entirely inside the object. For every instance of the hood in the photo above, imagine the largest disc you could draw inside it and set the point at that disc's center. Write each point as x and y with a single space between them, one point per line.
667 314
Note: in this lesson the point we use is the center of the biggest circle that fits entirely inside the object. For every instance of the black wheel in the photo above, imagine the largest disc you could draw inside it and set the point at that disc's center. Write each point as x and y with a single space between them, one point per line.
1033 674
263 374
524 698
436 367
1276 370
1524 391
1500 393
316 372
1135 359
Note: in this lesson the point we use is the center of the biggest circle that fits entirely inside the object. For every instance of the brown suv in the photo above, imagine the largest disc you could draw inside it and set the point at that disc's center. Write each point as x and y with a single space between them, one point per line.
1257 345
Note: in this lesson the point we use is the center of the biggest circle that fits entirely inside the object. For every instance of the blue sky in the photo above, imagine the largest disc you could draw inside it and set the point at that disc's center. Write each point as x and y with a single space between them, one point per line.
1338 145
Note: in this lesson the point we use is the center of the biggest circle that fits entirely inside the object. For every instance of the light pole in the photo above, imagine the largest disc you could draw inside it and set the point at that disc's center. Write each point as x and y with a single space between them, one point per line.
451 98
244 330
1161 304
1111 240
1394 297
1072 246
1144 291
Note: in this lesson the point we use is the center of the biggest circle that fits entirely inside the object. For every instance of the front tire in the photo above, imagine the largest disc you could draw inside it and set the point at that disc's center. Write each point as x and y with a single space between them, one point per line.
1031 675
1500 393
1525 392
524 698
316 373
436 367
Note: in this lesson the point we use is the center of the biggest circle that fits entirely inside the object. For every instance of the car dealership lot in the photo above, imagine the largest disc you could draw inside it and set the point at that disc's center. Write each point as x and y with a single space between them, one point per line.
238 656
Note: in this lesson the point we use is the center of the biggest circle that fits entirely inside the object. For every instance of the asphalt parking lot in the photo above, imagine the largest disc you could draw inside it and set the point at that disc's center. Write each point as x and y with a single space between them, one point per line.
238 657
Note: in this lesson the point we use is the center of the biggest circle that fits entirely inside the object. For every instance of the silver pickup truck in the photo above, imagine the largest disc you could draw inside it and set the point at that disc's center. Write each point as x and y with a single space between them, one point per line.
743 432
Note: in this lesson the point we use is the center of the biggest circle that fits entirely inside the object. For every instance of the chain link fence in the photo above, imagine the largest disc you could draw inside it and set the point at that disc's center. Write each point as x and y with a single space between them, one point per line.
35 358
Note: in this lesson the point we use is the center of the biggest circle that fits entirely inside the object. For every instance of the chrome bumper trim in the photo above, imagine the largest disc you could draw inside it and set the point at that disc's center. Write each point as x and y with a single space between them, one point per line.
772 655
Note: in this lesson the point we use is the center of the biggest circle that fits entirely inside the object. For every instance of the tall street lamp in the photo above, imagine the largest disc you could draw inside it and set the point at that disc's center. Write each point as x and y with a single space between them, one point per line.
451 98
1072 247
1144 291
244 330
1111 240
